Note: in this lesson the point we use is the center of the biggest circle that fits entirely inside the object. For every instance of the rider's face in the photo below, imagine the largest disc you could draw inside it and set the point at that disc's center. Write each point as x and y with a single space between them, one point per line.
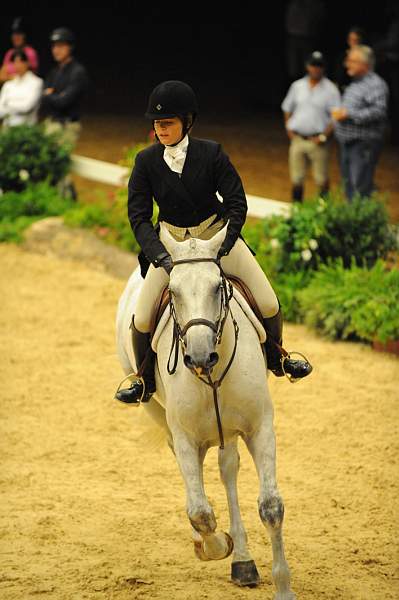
169 131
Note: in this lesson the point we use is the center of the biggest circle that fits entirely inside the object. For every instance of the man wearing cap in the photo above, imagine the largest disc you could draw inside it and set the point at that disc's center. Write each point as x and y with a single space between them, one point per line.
64 88
307 113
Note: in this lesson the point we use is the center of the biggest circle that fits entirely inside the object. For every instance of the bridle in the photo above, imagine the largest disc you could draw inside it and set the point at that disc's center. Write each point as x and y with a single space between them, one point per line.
216 326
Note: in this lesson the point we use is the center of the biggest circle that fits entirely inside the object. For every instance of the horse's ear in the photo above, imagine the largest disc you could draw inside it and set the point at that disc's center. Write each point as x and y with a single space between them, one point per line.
165 237
217 240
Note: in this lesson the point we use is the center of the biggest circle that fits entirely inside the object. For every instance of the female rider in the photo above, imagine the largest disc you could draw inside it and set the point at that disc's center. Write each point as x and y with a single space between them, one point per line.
188 206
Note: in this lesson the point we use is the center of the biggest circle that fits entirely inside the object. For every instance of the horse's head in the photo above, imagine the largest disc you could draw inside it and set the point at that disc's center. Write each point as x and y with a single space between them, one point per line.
199 295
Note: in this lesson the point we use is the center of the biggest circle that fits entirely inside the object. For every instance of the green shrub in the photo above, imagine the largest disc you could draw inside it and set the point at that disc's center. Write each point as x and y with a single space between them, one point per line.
354 303
359 229
290 249
88 215
318 230
19 209
287 286
12 230
109 220
36 199
28 155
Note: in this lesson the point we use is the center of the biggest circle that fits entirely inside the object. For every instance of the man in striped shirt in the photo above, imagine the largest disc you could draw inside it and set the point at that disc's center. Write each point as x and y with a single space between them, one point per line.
361 122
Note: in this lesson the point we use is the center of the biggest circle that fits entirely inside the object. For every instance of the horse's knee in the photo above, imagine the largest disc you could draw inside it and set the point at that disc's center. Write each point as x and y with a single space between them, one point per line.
271 511
229 464
202 520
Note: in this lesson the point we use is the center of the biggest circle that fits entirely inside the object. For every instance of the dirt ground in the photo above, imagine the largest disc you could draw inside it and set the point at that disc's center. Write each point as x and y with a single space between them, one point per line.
257 146
93 507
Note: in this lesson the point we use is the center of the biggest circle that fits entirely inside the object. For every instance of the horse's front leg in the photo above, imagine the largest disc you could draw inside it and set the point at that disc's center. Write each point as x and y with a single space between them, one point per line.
243 568
262 446
208 544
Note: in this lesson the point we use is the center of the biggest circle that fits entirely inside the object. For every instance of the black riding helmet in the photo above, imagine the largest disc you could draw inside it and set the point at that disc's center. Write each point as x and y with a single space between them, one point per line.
173 99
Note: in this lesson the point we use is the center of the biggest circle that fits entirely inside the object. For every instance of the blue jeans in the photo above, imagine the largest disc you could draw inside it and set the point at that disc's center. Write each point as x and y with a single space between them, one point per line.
358 160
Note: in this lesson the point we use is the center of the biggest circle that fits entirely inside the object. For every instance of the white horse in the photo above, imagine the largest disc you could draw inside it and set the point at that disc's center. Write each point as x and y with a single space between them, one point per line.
184 405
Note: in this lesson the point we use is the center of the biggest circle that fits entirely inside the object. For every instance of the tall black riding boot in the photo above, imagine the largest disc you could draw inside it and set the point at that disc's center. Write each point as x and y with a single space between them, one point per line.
145 361
274 355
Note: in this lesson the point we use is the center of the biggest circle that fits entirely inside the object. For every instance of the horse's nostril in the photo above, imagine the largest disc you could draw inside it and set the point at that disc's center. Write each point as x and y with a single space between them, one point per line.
188 361
212 360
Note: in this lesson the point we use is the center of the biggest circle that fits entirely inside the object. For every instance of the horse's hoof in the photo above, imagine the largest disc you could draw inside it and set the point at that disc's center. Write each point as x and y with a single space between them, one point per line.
199 548
244 572
285 596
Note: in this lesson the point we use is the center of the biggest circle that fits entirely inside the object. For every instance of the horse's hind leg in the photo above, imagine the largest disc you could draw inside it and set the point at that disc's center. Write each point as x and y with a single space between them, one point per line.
262 446
243 568
211 545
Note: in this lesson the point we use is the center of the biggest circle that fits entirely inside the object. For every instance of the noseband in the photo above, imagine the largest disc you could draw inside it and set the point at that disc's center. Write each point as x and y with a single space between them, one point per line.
217 327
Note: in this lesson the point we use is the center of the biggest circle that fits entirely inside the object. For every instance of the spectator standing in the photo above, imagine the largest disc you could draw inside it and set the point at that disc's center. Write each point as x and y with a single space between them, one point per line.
64 88
19 42
356 36
361 122
20 96
307 113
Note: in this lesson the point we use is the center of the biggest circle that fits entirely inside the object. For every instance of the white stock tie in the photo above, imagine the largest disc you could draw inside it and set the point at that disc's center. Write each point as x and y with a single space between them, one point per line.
175 156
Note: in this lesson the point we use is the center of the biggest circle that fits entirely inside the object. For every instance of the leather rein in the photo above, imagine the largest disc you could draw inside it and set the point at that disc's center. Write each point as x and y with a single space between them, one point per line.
217 326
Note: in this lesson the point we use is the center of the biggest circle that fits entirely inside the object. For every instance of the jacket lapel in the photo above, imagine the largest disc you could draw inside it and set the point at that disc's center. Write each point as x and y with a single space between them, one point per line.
191 168
193 163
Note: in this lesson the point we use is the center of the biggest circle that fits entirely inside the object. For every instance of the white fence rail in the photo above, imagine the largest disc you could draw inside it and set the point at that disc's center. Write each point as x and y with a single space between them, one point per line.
105 172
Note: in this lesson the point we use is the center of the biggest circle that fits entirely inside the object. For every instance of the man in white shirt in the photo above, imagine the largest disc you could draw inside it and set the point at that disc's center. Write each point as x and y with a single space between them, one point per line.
307 113
20 96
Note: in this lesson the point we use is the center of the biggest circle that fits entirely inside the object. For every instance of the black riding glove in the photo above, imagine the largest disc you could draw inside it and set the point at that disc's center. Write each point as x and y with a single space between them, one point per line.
165 260
227 245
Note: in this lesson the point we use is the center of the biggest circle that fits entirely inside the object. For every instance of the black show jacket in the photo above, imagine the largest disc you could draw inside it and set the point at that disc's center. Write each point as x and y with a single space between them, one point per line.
71 83
185 201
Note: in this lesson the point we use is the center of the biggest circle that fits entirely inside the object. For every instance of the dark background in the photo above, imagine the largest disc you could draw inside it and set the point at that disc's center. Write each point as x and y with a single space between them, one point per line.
235 68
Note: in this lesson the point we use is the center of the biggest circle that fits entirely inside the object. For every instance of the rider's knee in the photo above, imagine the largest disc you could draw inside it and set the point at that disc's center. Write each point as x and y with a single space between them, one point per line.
141 324
271 305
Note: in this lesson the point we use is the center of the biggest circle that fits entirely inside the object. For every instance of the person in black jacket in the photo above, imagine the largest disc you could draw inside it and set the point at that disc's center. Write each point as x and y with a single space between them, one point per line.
188 206
64 88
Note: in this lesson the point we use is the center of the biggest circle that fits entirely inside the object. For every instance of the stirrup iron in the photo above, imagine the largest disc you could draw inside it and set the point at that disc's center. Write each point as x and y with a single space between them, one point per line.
138 402
290 378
